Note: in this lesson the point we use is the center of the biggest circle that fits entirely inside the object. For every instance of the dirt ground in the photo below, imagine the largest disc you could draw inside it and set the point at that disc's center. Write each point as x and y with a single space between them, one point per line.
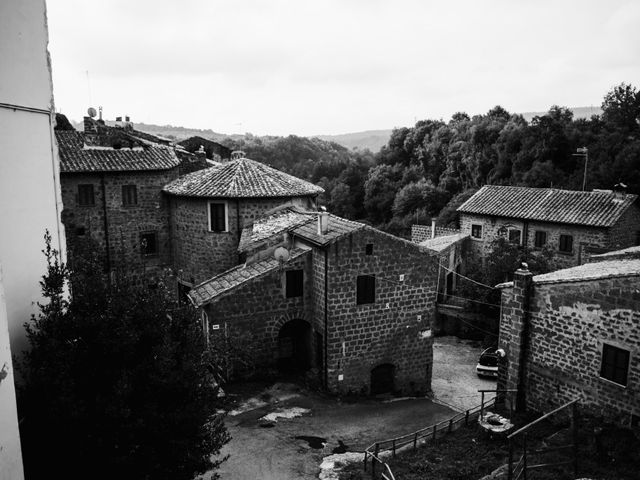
454 381
302 427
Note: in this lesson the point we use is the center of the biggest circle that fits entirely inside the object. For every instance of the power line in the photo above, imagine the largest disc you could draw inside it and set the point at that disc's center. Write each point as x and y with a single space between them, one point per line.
467 278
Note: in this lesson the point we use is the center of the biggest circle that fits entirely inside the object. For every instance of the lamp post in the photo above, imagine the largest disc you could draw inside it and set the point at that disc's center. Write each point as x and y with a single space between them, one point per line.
583 152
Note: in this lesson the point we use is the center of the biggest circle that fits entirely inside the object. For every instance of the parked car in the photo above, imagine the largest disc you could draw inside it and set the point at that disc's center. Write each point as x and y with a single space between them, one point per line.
488 363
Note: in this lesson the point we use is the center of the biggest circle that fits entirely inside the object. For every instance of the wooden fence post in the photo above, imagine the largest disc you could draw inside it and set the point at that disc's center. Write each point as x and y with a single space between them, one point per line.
393 447
374 461
524 455
510 469
482 406
365 460
466 418
574 412
415 441
450 424
434 432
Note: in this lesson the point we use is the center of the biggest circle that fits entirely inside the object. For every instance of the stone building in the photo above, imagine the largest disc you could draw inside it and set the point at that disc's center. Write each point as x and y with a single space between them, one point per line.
575 333
209 208
572 224
112 193
318 291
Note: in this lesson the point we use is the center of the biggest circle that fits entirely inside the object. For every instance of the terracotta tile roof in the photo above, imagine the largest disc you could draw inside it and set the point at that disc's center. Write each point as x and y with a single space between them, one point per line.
228 281
241 178
596 209
592 271
439 244
338 227
272 224
625 267
75 156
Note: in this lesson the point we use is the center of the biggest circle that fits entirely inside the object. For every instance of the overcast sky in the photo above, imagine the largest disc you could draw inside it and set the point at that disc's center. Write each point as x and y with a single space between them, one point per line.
301 67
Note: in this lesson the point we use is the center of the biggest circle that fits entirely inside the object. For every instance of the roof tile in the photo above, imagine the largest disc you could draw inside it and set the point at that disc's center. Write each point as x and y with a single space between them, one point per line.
596 209
241 178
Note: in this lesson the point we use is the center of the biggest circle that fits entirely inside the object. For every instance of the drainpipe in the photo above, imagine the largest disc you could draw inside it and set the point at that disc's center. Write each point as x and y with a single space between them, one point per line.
106 221
238 227
326 318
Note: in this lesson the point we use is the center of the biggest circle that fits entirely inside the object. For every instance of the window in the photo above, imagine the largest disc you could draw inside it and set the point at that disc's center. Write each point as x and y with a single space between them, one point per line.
294 283
566 244
218 217
615 364
129 195
81 231
515 236
541 238
85 196
365 289
476 231
149 243
368 250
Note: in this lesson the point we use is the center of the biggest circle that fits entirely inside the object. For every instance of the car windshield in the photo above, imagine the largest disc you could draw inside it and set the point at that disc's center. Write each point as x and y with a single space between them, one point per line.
489 360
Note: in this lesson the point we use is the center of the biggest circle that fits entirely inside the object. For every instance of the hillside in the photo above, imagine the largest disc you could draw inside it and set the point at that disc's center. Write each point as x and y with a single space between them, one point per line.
374 140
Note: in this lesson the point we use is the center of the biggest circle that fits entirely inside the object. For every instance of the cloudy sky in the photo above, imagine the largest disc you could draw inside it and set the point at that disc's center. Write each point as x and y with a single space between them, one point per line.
335 66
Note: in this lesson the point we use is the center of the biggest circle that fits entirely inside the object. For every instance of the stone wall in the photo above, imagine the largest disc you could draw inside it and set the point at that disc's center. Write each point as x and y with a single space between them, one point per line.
124 224
567 326
396 329
420 233
254 313
199 253
626 232
584 238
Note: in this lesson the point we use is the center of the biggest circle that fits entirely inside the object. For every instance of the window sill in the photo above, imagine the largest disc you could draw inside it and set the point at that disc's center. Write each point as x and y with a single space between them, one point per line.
611 382
220 231
477 239
567 254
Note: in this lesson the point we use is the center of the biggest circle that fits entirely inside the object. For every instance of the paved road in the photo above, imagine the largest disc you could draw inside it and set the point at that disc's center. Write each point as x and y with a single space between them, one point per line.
454 380
275 453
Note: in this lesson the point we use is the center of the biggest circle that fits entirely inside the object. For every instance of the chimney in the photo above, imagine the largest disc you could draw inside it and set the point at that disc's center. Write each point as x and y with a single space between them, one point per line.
236 154
90 125
323 222
201 155
619 191
433 227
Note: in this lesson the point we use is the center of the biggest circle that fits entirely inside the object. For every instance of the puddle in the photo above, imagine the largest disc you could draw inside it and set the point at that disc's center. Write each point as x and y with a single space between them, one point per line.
285 413
314 442
341 448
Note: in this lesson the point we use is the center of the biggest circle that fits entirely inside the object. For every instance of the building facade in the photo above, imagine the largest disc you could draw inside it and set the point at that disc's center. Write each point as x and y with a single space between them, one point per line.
571 224
575 334
351 302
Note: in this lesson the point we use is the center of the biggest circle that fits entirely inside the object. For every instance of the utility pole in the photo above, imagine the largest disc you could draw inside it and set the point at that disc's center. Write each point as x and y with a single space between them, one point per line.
583 152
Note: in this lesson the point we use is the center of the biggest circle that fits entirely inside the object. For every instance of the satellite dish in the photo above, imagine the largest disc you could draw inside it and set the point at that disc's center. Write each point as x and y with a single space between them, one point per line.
281 254
92 112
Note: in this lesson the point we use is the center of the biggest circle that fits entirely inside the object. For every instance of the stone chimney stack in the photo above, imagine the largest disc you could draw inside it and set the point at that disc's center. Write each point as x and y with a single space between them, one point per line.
619 191
323 222
433 227
514 334
90 125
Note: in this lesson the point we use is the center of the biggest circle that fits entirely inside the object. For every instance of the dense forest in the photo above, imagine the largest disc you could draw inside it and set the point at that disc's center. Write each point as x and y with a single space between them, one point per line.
431 168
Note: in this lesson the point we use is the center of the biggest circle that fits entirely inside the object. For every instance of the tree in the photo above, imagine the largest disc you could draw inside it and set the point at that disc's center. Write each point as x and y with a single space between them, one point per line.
621 108
117 380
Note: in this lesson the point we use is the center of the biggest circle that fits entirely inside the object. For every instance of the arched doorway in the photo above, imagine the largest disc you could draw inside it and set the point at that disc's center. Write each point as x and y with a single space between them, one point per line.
382 379
295 346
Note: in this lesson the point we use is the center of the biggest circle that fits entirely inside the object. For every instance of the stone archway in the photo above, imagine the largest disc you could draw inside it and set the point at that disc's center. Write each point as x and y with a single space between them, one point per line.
295 346
383 379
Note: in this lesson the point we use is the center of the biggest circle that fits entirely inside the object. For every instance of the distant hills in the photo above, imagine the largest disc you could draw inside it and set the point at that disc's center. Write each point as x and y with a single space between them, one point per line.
373 140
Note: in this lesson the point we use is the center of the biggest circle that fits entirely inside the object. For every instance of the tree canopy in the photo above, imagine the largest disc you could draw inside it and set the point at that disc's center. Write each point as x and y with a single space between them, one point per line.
117 380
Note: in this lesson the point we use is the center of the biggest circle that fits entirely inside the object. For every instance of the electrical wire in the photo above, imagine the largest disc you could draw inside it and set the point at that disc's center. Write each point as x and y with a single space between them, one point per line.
467 278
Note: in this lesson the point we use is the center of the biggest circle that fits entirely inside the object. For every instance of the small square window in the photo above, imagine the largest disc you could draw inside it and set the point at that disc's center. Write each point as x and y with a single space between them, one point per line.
294 283
365 289
86 197
566 244
615 364
515 236
129 195
217 217
476 231
541 238
81 231
149 243
368 249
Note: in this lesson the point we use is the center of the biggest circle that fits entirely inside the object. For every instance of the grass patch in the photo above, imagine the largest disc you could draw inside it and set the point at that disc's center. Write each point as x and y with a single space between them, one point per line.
606 452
